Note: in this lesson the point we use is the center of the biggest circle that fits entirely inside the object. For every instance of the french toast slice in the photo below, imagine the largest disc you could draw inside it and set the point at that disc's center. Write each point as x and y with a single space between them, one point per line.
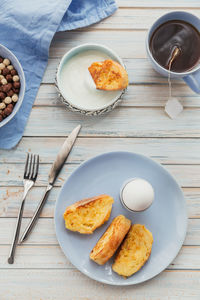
86 215
110 240
109 75
134 251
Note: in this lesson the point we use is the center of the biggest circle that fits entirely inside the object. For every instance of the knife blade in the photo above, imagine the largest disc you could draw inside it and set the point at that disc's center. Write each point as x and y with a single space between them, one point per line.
53 173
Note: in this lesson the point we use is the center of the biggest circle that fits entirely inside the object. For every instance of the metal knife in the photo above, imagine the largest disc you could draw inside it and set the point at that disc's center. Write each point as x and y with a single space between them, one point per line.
55 170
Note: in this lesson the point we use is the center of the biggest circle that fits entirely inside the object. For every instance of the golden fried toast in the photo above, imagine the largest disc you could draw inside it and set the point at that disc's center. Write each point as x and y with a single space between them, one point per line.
88 214
109 75
134 251
110 240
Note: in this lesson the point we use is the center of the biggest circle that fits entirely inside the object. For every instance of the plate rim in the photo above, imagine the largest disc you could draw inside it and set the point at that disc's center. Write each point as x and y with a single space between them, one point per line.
180 244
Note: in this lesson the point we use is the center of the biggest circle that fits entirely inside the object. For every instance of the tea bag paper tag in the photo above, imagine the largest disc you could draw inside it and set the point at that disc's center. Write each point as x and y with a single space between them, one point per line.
173 108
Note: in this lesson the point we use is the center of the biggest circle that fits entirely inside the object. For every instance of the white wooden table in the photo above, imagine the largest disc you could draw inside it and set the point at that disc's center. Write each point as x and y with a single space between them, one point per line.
139 124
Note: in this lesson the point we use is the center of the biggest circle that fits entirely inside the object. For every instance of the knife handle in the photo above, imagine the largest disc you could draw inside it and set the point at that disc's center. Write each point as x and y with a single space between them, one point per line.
36 215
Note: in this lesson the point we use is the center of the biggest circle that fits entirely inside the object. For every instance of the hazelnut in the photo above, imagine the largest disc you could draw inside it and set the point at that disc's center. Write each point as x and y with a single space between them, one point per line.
1 59
16 84
5 71
9 78
6 87
13 72
10 93
7 111
10 67
4 114
2 66
10 106
15 78
1 77
6 61
16 91
4 81
15 98
2 105
2 95
7 100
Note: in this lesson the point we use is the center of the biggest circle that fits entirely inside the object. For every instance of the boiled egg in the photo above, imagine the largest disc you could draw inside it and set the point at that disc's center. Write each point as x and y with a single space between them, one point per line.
137 194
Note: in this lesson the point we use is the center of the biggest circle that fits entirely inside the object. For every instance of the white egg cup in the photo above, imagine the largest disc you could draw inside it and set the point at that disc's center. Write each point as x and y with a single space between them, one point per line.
121 195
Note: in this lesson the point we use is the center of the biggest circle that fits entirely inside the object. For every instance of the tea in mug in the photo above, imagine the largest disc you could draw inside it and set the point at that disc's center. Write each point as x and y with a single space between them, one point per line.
172 35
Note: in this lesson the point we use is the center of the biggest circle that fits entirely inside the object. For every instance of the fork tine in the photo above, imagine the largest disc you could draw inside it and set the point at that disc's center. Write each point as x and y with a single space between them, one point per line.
32 167
26 165
35 167
29 166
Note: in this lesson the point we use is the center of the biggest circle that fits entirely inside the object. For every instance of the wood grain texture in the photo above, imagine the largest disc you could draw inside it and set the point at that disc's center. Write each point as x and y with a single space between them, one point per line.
127 122
135 96
44 232
51 256
137 18
129 44
71 284
10 199
166 151
12 174
158 3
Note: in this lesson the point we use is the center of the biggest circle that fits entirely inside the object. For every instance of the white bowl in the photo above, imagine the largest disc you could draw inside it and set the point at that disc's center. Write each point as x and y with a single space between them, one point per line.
6 53
71 103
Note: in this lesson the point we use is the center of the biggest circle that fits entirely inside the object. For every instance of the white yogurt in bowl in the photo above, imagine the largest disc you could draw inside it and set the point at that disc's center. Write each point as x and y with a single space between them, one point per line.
75 83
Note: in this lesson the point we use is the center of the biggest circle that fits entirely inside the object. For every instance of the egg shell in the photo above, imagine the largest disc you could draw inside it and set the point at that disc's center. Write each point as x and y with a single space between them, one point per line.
137 194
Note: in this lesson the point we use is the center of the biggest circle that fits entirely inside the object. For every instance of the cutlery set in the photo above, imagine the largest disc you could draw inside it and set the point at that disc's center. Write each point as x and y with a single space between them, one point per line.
30 175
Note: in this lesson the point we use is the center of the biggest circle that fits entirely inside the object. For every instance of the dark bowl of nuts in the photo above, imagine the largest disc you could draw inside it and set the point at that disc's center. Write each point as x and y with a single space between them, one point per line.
12 85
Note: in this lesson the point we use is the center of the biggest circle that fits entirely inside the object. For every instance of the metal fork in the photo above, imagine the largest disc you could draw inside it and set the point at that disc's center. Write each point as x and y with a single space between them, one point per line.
30 175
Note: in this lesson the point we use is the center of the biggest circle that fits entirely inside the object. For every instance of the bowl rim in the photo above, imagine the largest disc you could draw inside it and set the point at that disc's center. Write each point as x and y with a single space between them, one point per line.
83 47
22 78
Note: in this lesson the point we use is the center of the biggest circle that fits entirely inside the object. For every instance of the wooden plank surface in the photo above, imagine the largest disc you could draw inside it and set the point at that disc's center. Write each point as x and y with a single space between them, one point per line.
10 198
137 18
136 96
134 41
158 3
51 256
44 232
71 284
139 124
12 174
163 150
126 122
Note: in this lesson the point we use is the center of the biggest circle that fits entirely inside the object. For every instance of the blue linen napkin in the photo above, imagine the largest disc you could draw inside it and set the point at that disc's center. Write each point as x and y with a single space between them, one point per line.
27 28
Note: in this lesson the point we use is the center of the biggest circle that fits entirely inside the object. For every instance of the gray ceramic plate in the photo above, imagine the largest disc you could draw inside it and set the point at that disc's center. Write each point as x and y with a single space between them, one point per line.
166 218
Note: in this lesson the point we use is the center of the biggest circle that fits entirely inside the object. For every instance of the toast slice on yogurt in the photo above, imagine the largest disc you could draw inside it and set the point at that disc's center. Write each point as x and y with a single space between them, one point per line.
109 75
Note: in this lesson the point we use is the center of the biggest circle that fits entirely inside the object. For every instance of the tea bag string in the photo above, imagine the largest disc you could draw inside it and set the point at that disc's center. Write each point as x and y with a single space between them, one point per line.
174 55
